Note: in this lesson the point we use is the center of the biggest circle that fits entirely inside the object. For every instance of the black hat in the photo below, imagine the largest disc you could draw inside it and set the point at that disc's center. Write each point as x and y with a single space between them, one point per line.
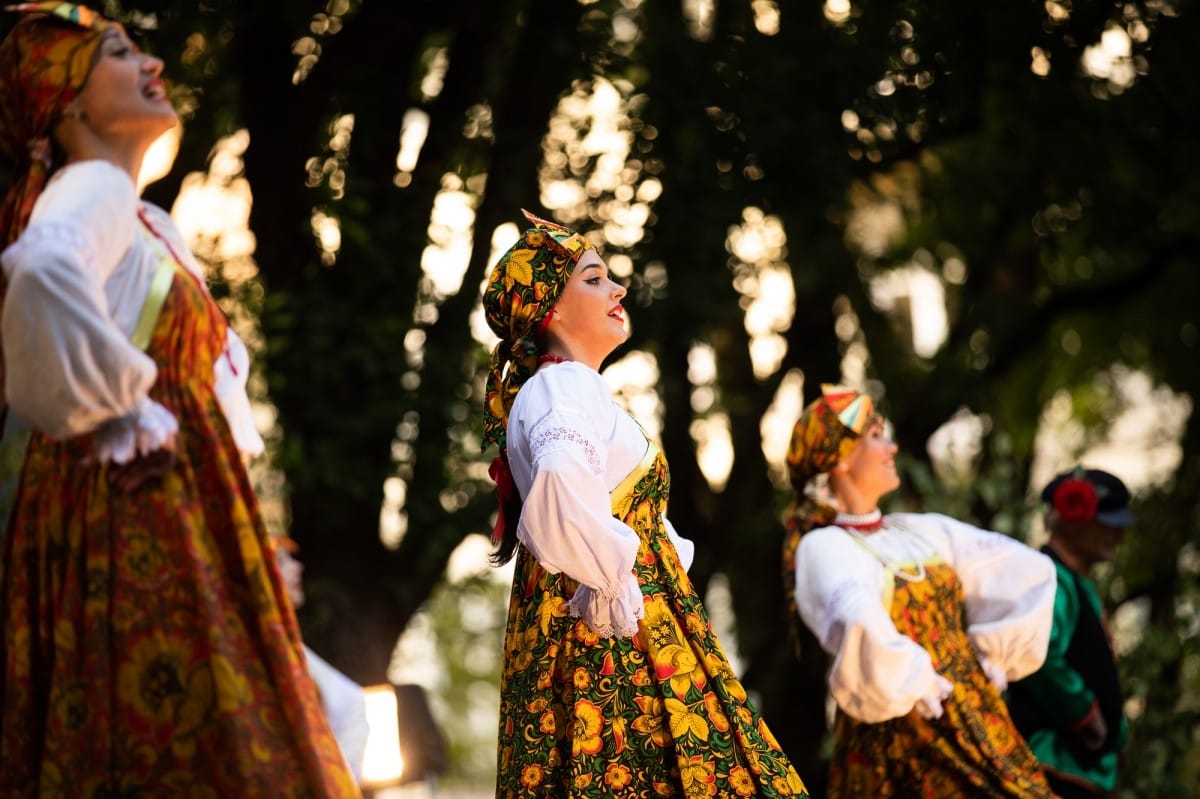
1086 494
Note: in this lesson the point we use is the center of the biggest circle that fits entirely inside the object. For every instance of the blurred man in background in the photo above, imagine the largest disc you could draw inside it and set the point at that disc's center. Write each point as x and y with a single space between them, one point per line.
1070 710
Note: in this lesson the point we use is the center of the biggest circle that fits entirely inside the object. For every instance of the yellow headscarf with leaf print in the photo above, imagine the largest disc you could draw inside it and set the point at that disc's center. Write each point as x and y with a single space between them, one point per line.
524 286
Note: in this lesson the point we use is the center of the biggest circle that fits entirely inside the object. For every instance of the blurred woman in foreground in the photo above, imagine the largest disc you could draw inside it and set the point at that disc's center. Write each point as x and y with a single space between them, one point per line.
148 646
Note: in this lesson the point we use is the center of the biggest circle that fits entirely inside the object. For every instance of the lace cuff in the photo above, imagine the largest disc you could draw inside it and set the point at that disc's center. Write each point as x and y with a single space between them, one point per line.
610 616
148 428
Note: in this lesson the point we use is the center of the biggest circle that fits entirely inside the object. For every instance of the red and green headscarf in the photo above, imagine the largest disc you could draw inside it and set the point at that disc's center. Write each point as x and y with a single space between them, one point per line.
524 286
44 62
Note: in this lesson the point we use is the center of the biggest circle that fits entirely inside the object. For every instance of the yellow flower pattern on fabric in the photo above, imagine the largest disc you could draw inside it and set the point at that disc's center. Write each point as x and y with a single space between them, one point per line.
617 777
741 781
678 666
553 608
531 776
519 269
697 777
685 722
588 723
153 678
652 722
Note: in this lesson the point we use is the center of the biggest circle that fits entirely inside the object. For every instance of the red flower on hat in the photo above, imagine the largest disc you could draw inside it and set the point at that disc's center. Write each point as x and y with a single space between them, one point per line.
1076 500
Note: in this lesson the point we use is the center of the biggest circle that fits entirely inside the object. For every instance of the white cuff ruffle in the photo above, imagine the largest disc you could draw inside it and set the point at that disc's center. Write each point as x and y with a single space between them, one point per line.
148 428
930 706
995 673
610 616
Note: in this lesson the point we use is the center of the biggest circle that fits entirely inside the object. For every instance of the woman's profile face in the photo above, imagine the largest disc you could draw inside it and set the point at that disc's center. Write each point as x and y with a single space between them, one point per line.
871 465
124 97
589 315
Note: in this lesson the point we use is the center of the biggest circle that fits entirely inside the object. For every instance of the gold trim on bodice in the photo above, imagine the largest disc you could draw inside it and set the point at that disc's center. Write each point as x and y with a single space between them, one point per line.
623 493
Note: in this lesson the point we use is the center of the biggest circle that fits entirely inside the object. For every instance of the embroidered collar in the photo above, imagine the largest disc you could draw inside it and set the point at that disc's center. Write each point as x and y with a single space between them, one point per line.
863 522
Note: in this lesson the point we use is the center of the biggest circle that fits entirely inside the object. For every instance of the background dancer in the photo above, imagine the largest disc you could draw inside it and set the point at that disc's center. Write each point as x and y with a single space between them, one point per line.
926 618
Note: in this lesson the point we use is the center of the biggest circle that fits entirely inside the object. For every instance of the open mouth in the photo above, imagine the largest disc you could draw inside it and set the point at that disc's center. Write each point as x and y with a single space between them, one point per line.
155 90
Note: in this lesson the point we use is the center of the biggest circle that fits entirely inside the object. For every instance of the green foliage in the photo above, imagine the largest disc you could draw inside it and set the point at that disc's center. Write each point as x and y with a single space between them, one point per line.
464 622
1162 757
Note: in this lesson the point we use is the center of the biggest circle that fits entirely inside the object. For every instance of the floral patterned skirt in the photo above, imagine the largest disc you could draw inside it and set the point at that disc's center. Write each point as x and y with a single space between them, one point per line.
657 714
973 750
149 648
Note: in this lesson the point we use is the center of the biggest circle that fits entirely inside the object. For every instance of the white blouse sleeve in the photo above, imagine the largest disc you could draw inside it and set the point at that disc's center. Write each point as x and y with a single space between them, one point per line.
877 673
231 372
345 707
1009 589
567 522
68 367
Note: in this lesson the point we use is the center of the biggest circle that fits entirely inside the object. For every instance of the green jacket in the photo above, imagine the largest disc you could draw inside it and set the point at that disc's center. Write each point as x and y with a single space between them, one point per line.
1077 679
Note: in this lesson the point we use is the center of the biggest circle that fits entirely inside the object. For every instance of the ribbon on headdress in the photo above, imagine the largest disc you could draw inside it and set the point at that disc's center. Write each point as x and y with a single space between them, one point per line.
828 428
44 62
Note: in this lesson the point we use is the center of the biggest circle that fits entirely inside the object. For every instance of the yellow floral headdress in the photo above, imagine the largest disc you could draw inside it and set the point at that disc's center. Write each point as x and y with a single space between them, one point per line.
524 286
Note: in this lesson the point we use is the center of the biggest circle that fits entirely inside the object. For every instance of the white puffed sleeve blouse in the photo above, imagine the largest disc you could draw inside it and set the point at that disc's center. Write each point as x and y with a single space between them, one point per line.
879 673
569 445
77 280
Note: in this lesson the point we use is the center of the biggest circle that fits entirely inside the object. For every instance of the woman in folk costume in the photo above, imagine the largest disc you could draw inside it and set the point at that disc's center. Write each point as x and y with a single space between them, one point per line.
926 618
148 646
613 681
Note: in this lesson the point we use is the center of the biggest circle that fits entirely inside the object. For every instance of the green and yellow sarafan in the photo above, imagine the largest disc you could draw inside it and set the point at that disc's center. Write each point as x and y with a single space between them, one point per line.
658 714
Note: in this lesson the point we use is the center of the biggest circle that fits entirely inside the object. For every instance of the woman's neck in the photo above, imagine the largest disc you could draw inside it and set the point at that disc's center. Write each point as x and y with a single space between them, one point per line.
125 153
851 500
557 352
858 508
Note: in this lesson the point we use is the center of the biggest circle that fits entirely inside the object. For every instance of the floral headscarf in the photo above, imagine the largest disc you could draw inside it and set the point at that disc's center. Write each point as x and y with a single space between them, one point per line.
44 62
828 428
525 284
